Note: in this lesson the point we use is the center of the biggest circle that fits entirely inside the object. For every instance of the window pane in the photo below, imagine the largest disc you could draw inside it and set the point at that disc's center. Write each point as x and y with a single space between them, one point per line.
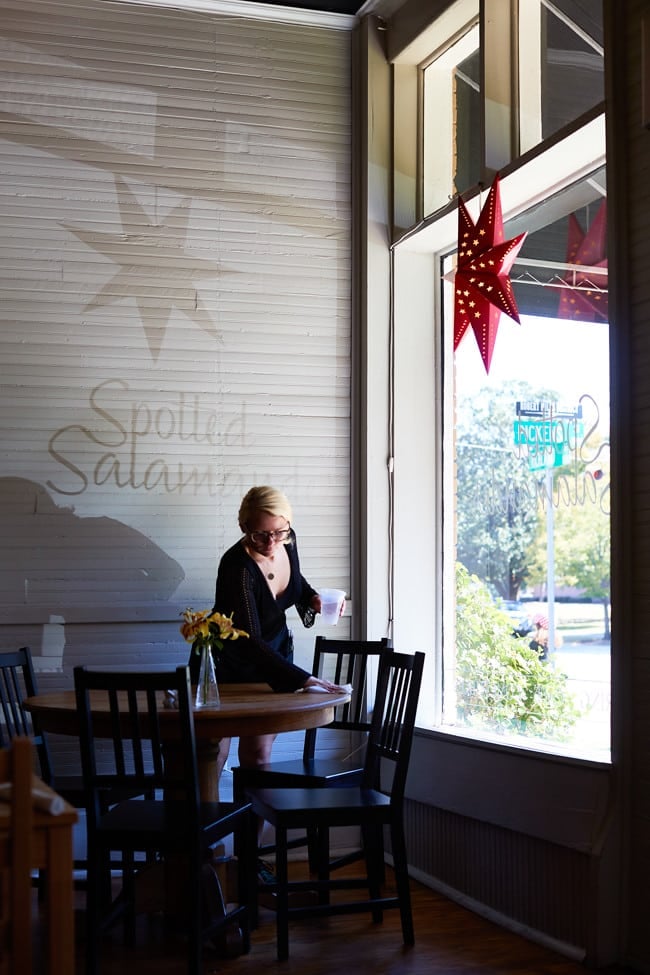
467 90
563 39
526 636
452 127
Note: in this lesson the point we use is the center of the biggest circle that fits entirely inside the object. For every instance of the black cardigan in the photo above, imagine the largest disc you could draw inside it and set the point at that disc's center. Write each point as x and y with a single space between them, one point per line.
243 591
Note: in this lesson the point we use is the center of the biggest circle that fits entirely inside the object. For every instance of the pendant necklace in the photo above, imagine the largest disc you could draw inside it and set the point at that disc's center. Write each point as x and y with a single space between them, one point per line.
267 570
269 575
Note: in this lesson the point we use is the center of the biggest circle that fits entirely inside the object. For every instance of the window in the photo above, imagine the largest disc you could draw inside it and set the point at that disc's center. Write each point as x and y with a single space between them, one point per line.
561 44
452 107
506 470
526 487
468 100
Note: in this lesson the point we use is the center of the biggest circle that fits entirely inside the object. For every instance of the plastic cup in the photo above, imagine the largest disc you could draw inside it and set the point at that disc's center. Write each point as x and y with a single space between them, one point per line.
331 602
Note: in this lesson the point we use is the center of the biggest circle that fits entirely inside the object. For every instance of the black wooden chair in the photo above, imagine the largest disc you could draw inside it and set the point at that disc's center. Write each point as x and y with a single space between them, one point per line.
376 803
344 662
18 681
125 722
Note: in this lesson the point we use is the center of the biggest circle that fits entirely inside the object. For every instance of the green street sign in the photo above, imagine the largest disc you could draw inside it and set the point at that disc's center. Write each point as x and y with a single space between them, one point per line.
543 461
550 442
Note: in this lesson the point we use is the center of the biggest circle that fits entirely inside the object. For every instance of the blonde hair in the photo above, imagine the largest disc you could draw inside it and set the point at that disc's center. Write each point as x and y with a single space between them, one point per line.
266 499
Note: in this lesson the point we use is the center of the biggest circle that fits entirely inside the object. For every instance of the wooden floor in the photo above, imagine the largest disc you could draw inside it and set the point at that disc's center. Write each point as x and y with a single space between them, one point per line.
450 940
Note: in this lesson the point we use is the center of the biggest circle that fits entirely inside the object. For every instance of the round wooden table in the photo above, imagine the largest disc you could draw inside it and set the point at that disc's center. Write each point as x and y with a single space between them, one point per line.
245 709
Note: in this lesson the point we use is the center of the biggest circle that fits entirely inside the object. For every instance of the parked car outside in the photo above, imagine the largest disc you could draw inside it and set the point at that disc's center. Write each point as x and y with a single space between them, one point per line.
522 623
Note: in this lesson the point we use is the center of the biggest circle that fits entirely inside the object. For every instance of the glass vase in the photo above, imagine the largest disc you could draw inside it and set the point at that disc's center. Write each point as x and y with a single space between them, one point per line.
207 691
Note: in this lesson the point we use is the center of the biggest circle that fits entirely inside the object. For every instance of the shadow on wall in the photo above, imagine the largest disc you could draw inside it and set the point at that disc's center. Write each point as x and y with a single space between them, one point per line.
60 568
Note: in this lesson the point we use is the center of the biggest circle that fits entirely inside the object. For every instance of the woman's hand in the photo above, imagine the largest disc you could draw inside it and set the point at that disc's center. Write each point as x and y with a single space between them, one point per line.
317 606
325 685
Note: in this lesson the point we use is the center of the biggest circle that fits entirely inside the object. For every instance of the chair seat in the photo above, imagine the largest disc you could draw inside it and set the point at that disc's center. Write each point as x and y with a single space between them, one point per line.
312 772
71 787
147 821
337 807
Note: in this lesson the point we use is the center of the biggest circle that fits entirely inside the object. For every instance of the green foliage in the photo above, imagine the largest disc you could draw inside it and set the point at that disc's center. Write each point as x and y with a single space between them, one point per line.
497 514
581 554
501 504
582 550
501 684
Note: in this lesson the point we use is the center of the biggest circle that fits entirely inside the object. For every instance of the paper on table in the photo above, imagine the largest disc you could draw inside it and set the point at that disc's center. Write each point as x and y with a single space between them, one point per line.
43 799
323 690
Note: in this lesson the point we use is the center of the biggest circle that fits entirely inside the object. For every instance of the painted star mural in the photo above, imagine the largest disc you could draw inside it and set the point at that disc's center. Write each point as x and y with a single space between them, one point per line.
157 287
145 151
580 301
483 290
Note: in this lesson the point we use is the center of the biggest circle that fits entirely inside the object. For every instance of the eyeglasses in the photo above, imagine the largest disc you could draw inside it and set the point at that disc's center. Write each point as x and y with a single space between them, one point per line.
263 537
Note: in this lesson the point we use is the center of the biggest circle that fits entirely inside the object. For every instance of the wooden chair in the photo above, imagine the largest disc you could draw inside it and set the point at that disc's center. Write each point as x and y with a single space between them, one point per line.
178 826
376 803
344 662
18 681
16 767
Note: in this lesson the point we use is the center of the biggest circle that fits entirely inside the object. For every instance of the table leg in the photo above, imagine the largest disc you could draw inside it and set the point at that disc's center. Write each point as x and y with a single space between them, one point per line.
207 754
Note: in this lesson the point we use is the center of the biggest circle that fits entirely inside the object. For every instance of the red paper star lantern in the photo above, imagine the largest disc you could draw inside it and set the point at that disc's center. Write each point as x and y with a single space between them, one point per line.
481 280
586 305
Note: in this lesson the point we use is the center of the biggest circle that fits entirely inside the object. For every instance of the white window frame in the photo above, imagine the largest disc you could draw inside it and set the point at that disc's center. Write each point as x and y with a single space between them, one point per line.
421 532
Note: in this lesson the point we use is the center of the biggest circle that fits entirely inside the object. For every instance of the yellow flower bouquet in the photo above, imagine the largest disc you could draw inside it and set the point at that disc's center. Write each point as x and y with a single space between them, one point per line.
205 627
205 630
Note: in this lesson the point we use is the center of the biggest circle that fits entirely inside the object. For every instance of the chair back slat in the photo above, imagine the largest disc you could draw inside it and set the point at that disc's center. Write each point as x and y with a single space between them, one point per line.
18 681
155 734
393 722
14 721
346 662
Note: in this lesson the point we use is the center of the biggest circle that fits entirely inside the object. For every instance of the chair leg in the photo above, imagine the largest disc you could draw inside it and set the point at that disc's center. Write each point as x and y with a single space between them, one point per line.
374 873
195 914
248 843
282 906
398 844
128 893
373 844
312 849
95 904
244 890
323 859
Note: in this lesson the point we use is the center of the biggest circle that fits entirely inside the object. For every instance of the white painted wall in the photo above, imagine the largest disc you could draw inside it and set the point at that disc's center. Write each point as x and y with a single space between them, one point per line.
174 314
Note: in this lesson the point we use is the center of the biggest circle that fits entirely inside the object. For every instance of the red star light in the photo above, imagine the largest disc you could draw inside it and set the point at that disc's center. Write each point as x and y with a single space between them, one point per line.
481 280
590 249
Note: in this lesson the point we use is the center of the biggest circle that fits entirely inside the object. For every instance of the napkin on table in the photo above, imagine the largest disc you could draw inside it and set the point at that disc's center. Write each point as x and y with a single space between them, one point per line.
322 690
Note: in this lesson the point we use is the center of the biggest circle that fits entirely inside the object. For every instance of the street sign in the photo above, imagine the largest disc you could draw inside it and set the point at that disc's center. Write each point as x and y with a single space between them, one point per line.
549 442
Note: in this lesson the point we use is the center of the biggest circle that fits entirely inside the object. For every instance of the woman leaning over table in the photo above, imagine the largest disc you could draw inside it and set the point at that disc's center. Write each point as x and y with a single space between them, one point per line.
258 579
